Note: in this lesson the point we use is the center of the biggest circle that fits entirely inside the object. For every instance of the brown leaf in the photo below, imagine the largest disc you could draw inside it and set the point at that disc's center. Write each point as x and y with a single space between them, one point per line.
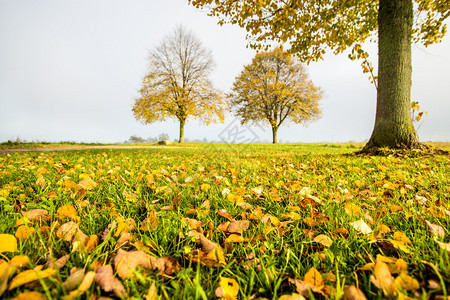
436 230
238 226
124 239
105 278
192 223
74 280
351 292
67 211
67 231
303 288
84 286
225 214
37 215
126 262
59 263
152 293
293 296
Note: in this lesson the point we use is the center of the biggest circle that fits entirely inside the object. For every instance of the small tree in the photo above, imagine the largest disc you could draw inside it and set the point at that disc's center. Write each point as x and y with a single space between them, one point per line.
275 88
177 83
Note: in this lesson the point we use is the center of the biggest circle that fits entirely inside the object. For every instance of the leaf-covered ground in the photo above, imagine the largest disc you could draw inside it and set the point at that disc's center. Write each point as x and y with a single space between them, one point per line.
220 221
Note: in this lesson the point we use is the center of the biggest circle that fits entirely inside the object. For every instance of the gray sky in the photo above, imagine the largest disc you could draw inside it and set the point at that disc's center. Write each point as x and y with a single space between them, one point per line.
70 70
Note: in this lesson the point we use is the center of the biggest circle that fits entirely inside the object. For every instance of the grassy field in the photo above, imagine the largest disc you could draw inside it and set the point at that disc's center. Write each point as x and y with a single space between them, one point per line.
225 221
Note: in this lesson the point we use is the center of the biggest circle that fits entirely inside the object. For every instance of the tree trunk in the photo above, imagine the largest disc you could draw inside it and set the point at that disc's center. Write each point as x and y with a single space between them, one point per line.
393 123
274 134
181 139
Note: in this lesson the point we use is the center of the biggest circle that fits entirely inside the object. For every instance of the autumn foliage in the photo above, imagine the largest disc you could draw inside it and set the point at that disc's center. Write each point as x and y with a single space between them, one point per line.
177 84
275 89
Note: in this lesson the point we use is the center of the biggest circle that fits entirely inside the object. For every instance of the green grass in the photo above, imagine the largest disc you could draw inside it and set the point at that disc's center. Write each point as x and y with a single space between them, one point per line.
134 182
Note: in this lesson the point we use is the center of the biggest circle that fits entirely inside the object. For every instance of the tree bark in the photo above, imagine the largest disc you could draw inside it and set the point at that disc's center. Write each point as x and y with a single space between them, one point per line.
274 134
181 138
393 123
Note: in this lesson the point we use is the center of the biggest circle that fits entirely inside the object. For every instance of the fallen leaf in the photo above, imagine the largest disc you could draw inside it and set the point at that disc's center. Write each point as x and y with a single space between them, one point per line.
228 288
401 237
74 280
67 211
4 274
126 262
234 238
23 232
395 208
382 278
67 231
225 214
105 278
37 215
152 292
30 296
324 240
293 296
444 246
351 292
59 263
84 286
314 278
29 276
20 261
87 184
192 223
304 288
436 230
8 243
205 187
238 226
361 227
406 282
352 209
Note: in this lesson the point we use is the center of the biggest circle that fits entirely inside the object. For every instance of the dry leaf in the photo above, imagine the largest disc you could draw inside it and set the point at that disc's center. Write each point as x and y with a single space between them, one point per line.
228 289
67 211
24 232
444 246
126 262
314 278
59 263
4 274
105 278
382 278
152 292
361 227
401 237
29 276
67 231
36 215
406 282
74 280
192 223
234 238
303 288
324 240
293 296
352 209
84 286
436 230
8 243
87 184
238 226
30 296
351 292
225 214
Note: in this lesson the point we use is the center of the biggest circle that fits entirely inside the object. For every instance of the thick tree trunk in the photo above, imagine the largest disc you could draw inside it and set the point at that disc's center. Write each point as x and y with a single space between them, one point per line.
181 139
393 123
274 134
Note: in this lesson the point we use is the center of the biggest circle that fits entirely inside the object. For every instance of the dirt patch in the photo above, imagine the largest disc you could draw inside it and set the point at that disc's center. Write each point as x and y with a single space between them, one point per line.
72 148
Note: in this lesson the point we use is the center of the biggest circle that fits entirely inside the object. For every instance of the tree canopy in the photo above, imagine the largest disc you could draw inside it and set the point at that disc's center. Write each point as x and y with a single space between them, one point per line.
310 28
177 83
274 88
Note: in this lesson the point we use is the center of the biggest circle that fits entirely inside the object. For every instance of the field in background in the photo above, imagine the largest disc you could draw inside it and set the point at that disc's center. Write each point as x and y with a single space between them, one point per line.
210 220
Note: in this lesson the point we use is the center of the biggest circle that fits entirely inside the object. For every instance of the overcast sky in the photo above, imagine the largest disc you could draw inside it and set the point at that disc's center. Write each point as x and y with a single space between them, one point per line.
70 71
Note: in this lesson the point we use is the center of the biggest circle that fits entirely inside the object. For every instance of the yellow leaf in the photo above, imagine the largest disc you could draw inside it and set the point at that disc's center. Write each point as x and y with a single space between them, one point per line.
293 296
205 187
314 278
29 276
324 240
383 279
234 238
399 245
228 288
401 237
87 184
152 293
24 232
396 208
84 286
351 292
67 211
217 255
30 296
8 243
406 282
352 209
20 261
4 274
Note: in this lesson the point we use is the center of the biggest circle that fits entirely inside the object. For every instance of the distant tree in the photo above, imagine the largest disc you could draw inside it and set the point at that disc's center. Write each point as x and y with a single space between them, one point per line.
134 139
275 88
177 84
163 137
312 27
